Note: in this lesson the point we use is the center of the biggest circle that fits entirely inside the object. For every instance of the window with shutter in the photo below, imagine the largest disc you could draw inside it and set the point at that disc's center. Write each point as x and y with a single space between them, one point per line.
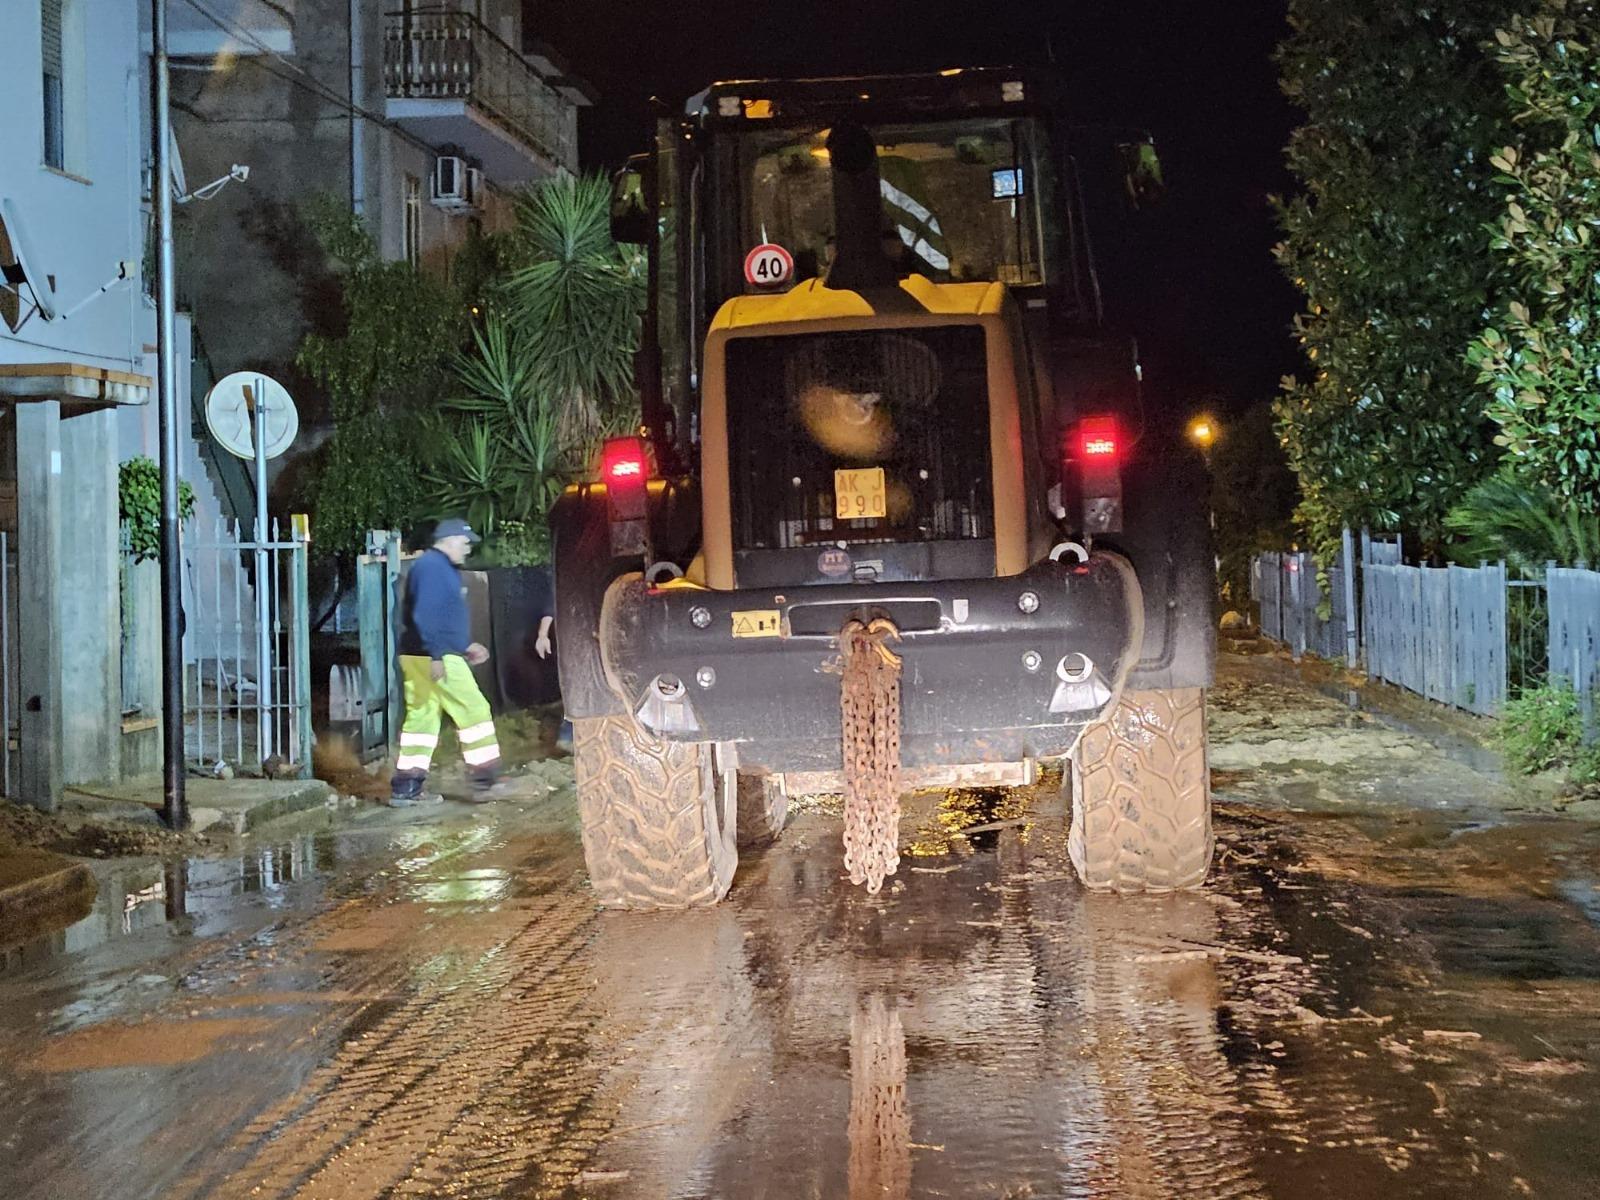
54 94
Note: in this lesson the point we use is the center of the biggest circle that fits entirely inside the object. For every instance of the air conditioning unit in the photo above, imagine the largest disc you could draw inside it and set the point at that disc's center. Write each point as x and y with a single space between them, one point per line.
475 192
450 185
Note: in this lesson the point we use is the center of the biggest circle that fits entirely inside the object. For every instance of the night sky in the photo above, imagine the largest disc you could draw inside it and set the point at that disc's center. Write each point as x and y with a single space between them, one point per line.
1197 74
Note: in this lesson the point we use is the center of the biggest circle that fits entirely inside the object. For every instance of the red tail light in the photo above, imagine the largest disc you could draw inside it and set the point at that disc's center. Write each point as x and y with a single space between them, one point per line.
1094 463
625 469
623 461
1099 440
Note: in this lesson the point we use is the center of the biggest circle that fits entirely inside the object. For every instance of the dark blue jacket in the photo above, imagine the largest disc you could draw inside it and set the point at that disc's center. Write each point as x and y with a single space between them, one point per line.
435 612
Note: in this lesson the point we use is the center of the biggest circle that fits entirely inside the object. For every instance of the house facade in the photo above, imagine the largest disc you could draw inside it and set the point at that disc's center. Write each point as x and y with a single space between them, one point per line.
423 118
74 358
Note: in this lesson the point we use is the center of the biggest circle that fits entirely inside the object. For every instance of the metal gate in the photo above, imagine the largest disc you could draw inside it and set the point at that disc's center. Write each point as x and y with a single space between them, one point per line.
247 649
378 602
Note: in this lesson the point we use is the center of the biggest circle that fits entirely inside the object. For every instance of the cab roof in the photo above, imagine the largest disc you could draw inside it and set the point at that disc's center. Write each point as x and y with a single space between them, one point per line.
948 92
813 300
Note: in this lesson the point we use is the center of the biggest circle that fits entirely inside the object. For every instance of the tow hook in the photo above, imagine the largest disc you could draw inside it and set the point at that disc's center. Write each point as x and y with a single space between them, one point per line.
1080 687
666 707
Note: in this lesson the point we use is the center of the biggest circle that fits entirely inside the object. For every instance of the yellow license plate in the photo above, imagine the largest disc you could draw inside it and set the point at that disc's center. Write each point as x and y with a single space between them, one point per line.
860 494
757 622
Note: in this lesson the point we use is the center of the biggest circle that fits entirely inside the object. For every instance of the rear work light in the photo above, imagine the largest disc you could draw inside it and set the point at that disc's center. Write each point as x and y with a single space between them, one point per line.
1094 457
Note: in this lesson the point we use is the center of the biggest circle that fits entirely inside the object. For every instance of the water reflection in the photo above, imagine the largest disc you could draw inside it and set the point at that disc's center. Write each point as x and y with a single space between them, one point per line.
880 1122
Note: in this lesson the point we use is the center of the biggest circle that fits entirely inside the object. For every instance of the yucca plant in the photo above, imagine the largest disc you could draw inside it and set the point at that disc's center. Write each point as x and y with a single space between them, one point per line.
498 456
1525 524
574 296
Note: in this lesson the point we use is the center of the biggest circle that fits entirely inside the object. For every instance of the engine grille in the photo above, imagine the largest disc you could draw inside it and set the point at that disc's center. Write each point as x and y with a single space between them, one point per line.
913 402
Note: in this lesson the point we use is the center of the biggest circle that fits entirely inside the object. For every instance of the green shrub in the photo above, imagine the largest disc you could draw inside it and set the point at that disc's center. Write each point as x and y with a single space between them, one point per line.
515 544
139 505
1542 729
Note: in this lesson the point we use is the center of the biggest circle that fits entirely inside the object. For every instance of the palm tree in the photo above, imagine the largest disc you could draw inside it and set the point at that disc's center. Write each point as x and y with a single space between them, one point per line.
550 370
576 297
1525 524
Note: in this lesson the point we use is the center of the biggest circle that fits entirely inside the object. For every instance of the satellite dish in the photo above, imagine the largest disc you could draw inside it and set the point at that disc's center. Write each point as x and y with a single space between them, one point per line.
21 265
230 414
180 182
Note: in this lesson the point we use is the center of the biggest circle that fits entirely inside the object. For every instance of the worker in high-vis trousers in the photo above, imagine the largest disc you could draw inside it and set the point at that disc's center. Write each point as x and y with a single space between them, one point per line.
437 655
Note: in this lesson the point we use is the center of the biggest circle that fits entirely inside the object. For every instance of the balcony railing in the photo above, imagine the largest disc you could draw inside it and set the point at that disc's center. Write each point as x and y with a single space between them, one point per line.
443 55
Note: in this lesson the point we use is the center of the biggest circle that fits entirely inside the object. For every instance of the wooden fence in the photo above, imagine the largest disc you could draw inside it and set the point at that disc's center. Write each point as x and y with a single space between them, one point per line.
1575 634
1443 632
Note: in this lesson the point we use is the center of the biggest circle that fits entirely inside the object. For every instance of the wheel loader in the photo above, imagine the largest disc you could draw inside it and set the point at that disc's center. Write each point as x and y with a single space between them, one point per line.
894 518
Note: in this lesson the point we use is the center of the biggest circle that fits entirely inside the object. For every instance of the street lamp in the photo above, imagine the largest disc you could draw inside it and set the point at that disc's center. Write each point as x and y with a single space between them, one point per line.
1203 432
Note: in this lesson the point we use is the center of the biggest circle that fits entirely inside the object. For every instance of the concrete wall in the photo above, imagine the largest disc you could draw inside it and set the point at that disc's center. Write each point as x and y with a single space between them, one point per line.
88 601
82 222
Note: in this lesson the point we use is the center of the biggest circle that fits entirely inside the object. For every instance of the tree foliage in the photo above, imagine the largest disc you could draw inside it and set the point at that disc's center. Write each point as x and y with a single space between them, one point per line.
1541 356
1403 108
1524 524
574 295
139 505
383 372
550 369
1253 497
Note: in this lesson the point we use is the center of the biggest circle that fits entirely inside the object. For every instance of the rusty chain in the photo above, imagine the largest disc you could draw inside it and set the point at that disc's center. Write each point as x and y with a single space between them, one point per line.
869 710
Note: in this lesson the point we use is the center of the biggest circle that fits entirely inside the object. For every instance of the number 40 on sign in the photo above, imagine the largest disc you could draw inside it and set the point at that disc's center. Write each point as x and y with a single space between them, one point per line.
768 265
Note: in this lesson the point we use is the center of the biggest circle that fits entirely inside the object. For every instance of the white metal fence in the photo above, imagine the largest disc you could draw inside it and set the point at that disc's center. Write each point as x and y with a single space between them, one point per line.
1469 637
247 697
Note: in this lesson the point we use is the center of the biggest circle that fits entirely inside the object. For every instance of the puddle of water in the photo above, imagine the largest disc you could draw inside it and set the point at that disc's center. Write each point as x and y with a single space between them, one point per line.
1583 892
483 885
204 896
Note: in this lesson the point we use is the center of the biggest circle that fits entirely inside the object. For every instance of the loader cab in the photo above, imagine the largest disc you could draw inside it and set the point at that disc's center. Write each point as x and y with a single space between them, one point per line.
981 181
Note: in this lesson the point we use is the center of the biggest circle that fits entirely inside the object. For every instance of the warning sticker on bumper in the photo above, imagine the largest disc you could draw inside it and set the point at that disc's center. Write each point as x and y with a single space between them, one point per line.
757 622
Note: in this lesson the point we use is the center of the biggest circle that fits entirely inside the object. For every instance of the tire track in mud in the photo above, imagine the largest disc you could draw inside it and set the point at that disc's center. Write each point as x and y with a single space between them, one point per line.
461 1088
472 999
1148 1087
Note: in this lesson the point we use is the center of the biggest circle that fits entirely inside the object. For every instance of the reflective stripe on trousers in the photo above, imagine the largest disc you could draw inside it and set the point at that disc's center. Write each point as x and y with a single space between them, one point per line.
429 700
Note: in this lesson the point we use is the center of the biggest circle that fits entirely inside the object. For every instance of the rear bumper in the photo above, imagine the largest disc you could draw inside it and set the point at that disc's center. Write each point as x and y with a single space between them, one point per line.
968 694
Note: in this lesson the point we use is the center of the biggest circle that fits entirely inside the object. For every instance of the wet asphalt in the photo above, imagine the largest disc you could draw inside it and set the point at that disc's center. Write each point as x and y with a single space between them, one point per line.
1391 987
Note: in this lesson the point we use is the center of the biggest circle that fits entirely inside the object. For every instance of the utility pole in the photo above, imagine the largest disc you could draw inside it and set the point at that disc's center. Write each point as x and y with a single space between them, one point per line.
175 804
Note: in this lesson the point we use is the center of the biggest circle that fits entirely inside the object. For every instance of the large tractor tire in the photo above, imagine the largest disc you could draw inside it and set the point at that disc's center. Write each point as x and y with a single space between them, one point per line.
1141 795
658 816
763 809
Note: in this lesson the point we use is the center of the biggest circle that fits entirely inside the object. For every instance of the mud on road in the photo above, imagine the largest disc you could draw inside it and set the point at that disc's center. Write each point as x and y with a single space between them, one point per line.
1392 985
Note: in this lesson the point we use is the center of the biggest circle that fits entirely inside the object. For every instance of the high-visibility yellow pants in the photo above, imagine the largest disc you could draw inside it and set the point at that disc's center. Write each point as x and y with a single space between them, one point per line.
456 696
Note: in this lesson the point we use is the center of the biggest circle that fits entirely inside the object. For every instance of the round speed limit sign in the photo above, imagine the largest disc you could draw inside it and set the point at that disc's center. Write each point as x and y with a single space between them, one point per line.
768 265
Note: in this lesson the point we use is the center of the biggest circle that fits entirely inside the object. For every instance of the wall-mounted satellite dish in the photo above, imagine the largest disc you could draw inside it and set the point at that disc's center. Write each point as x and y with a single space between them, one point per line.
20 267
230 413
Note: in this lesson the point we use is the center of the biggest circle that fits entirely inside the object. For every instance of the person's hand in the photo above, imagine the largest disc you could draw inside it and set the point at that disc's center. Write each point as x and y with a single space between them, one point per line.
476 654
436 669
542 646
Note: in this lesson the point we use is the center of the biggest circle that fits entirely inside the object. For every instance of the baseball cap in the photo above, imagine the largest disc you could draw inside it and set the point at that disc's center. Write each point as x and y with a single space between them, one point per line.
455 527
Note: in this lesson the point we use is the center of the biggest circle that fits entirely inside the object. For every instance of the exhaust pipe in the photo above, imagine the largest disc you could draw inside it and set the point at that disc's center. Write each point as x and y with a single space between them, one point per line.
859 264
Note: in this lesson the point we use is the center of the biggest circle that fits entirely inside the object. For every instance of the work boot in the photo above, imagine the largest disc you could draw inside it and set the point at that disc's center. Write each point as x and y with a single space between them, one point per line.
406 791
414 801
487 788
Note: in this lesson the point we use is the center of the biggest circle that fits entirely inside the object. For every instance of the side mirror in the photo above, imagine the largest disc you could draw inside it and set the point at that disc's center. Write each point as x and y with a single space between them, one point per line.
631 219
1141 173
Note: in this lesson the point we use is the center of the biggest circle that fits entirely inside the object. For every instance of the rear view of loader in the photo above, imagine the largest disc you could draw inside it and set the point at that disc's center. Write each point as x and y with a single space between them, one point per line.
894 522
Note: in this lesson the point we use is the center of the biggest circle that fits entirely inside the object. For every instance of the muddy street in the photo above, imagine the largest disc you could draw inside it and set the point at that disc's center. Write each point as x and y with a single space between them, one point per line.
1392 985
